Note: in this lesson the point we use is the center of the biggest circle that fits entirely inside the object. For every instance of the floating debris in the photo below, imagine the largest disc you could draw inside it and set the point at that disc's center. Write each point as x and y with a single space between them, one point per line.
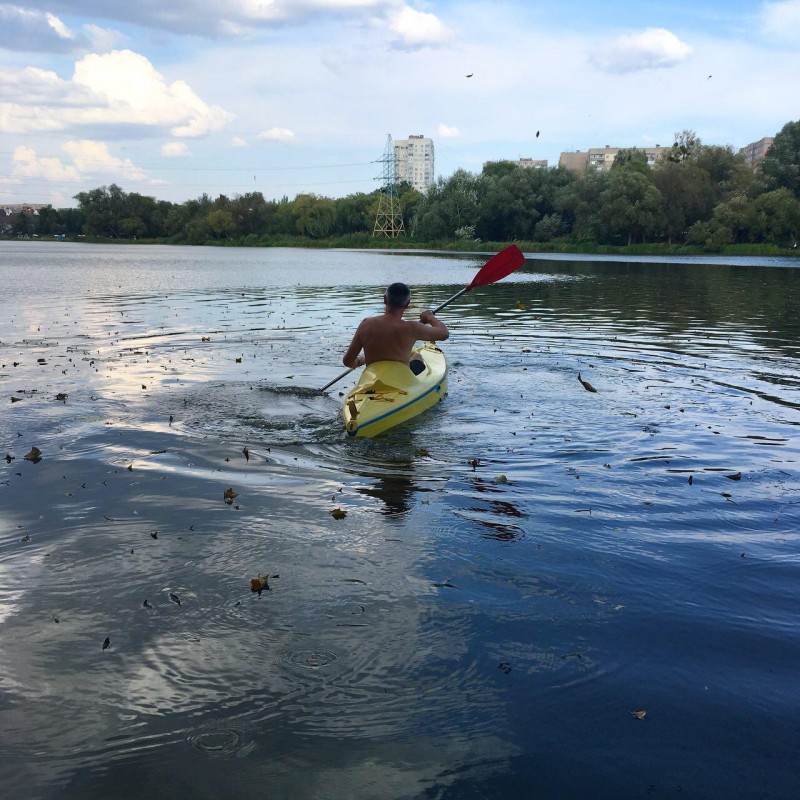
62 396
174 598
501 479
639 714
154 534
261 583
229 495
107 643
246 454
737 476
504 667
338 513
35 455
586 385
146 604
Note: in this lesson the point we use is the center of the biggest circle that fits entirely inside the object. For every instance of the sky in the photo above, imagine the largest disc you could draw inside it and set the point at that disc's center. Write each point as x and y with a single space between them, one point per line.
179 98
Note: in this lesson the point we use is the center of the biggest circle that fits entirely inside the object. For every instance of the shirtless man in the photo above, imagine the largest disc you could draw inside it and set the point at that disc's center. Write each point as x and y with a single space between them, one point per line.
389 337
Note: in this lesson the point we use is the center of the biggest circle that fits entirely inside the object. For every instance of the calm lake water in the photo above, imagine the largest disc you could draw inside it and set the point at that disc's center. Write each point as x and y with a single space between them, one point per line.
518 571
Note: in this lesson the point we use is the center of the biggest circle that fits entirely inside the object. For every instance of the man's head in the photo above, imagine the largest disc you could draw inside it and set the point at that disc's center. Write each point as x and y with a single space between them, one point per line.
397 295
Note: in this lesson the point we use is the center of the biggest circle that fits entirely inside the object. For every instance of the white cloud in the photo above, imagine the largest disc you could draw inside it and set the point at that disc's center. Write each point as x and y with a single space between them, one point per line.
654 48
120 88
781 19
174 150
89 159
101 40
237 141
26 164
277 135
93 158
418 28
447 132
217 18
23 29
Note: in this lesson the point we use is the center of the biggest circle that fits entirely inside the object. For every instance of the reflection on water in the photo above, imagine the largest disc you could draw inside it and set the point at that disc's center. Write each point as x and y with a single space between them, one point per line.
515 573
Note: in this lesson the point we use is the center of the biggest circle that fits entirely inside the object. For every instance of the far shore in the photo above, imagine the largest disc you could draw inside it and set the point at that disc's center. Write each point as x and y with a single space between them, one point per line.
367 242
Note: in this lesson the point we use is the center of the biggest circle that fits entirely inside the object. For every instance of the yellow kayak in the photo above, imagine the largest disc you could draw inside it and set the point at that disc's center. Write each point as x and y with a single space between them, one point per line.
388 393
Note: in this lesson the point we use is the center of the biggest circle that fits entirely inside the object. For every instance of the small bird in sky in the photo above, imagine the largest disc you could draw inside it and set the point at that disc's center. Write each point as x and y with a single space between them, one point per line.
537 134
708 78
470 75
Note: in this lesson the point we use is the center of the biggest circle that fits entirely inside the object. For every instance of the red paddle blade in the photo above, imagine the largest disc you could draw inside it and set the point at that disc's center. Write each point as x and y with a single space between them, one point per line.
498 266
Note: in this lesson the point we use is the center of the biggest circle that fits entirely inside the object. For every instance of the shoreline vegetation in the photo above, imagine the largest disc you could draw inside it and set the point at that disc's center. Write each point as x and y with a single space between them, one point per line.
696 199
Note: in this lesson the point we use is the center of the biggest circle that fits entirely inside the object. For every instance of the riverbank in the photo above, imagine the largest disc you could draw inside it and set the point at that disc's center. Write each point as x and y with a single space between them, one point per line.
368 242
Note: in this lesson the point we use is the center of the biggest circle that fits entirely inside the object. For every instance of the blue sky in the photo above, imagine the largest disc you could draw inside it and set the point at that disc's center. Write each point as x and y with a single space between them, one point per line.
178 98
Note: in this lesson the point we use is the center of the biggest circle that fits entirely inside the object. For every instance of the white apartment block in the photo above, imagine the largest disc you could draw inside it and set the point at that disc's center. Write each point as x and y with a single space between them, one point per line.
414 161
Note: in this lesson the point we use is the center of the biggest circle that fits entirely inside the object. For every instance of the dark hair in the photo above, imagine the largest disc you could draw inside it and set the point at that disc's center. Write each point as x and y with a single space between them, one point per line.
397 295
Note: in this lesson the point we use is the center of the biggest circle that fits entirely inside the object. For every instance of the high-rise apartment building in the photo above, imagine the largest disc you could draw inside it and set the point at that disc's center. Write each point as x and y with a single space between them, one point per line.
755 151
414 161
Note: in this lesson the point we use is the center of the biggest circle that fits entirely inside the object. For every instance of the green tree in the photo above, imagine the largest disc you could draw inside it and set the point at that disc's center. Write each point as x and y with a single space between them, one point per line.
780 211
686 142
630 205
631 158
315 216
736 220
221 223
579 204
450 204
782 162
687 196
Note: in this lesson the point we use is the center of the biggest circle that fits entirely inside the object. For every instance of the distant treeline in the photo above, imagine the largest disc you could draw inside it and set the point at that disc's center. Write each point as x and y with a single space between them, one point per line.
699 195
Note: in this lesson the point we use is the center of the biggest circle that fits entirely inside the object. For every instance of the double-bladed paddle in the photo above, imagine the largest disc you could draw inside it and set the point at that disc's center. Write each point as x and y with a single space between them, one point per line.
495 269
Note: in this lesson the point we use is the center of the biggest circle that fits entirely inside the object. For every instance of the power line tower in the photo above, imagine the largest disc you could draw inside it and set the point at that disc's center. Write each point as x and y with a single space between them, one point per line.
389 219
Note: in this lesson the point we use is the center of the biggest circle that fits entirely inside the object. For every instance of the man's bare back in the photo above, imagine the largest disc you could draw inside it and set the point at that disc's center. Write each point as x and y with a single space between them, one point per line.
389 337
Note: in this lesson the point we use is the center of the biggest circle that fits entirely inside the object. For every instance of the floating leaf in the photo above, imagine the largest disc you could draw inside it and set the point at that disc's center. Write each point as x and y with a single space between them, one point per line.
338 513
639 714
261 583
521 306
501 479
229 494
35 455
106 643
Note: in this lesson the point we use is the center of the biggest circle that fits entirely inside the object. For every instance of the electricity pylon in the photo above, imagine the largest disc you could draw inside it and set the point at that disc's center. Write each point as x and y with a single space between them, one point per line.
389 219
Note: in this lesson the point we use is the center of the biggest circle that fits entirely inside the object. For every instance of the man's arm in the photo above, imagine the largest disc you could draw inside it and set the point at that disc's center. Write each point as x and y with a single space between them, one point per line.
434 329
352 358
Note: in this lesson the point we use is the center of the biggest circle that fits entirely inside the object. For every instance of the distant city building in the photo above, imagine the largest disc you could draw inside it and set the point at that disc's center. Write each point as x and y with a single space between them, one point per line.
27 208
414 161
755 151
600 159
